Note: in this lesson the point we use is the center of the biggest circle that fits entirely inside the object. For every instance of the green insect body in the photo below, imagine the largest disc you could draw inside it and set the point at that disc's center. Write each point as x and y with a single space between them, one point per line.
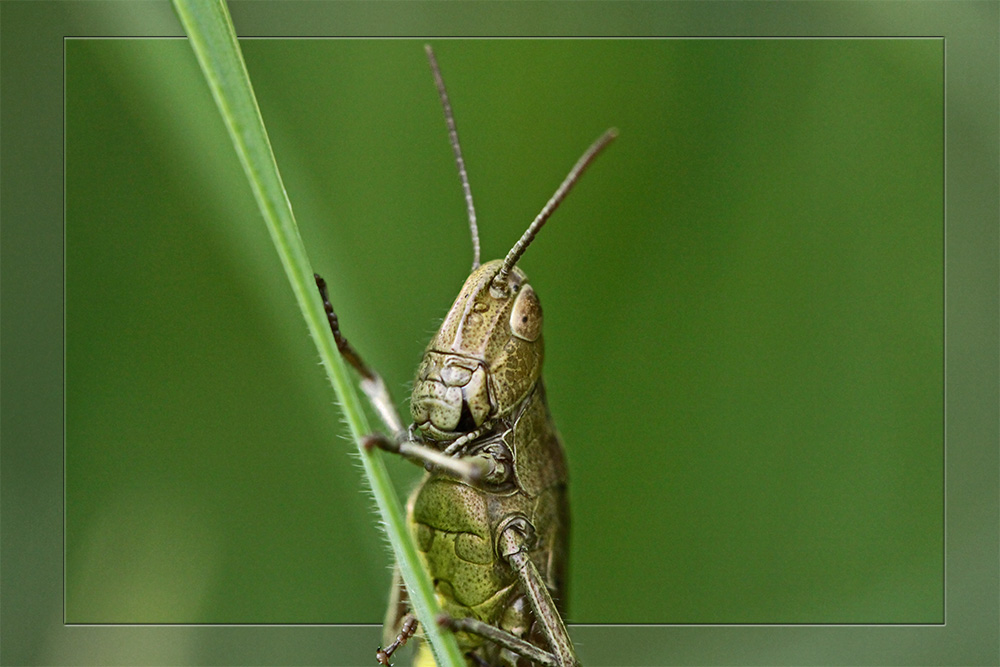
483 368
490 517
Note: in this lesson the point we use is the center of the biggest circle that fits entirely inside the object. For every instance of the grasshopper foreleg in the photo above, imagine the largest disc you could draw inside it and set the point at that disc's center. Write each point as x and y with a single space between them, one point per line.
471 469
371 382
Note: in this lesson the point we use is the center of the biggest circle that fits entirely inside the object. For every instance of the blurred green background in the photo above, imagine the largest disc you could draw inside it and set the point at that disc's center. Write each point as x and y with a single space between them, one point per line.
743 301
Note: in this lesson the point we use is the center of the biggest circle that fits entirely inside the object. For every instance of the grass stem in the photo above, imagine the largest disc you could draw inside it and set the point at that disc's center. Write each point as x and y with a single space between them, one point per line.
210 31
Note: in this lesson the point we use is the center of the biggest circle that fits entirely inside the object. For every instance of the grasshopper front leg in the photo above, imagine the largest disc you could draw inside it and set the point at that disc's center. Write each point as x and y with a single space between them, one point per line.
471 469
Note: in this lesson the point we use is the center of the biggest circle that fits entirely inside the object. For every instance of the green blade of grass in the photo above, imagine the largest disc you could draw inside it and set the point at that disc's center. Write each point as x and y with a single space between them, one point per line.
210 31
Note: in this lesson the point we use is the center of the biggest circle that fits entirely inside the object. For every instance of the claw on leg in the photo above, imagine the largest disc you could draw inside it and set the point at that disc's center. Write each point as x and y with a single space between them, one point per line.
406 631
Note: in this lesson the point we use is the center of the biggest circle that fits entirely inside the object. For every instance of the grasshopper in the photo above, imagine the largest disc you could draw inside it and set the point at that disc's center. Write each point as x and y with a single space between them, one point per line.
490 516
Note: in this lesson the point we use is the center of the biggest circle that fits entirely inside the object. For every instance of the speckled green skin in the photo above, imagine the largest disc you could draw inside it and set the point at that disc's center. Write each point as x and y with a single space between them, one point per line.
484 367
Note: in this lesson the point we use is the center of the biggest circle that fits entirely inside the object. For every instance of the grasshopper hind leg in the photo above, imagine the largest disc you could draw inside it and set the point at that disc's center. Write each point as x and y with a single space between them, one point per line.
512 648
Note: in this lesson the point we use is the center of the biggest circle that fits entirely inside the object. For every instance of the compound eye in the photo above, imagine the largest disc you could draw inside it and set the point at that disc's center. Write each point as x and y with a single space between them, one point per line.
526 315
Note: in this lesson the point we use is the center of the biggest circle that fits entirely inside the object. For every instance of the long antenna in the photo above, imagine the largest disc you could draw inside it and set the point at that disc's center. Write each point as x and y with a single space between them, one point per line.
500 280
453 136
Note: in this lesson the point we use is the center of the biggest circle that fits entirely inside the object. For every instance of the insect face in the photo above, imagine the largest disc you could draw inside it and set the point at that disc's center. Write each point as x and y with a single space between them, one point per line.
485 358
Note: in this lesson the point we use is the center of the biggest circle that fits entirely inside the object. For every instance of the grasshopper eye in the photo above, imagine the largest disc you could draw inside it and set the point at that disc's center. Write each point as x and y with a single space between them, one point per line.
526 315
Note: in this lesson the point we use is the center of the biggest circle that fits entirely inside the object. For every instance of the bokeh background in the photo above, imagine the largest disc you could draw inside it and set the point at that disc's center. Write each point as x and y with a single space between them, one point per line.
743 300
152 544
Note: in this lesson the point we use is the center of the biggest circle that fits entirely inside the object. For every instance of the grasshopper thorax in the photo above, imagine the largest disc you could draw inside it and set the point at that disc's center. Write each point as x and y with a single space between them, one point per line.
484 360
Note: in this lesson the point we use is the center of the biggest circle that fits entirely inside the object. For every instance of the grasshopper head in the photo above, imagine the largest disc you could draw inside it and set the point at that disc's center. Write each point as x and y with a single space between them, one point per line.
486 357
